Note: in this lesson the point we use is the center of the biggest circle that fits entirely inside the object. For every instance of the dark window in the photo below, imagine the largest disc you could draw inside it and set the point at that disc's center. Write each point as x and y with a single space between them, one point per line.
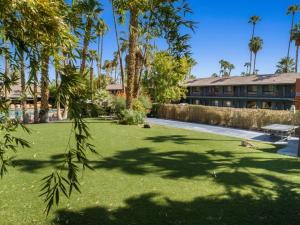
228 89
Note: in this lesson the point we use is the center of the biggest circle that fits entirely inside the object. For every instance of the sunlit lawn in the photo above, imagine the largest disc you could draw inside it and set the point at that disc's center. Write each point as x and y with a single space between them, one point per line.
156 176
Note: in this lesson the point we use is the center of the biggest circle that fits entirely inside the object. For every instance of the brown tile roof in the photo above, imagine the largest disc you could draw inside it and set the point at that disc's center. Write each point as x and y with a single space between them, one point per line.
114 87
16 92
286 78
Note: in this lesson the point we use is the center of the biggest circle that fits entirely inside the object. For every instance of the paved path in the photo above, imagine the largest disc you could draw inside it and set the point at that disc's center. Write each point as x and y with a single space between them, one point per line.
289 148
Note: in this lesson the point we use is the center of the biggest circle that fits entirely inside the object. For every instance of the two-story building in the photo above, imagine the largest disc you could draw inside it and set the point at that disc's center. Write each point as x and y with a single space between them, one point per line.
275 91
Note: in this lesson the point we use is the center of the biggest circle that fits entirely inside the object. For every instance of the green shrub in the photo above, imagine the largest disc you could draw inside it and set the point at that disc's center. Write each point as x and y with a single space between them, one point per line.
132 117
146 102
118 105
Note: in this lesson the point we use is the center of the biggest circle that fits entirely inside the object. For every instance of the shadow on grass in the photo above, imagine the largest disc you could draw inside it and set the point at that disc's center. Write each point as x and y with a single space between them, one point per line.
33 165
183 139
263 209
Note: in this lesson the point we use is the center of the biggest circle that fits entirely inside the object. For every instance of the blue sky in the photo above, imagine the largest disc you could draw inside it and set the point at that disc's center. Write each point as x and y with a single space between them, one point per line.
223 32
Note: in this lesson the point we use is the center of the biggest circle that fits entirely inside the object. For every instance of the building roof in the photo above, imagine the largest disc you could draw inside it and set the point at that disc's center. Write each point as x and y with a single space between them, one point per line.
114 87
285 78
16 92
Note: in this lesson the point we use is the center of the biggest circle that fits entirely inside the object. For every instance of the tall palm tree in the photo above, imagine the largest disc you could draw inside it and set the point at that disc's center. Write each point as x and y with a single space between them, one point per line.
230 68
253 20
133 41
119 48
292 10
286 65
101 29
255 46
91 10
247 65
296 38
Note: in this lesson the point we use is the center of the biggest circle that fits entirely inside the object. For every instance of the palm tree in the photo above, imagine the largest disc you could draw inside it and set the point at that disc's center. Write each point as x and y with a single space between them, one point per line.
44 87
286 65
247 65
292 10
214 75
296 38
230 68
133 41
101 29
119 48
23 82
253 20
91 10
255 45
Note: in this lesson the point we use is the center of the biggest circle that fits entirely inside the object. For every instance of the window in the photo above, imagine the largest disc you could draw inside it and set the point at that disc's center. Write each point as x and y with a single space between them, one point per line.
227 103
228 89
267 88
215 103
252 88
251 105
266 105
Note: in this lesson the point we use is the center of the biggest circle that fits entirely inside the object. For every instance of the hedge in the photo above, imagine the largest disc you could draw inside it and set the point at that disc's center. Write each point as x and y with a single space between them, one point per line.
230 117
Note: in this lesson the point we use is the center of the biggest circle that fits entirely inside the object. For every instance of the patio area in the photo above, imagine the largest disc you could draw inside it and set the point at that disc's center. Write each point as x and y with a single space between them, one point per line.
288 148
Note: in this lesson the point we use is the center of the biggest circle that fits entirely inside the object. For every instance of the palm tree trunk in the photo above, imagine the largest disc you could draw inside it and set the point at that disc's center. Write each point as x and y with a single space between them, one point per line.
250 67
35 101
59 117
6 73
133 28
119 49
290 40
23 82
33 66
91 80
138 65
101 58
297 58
254 63
44 117
251 53
86 41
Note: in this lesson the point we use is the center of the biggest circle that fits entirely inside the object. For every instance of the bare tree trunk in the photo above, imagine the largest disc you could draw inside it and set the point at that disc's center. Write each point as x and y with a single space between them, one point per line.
86 41
133 27
119 50
44 117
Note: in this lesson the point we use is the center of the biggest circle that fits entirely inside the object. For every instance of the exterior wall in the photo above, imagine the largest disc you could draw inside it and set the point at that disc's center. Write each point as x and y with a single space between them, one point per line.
297 97
277 97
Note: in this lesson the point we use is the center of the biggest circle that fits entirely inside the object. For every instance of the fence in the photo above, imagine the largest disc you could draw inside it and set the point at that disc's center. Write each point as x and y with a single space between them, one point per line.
229 117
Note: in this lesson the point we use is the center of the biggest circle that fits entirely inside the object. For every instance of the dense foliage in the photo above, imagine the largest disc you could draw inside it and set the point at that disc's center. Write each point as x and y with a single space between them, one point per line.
165 82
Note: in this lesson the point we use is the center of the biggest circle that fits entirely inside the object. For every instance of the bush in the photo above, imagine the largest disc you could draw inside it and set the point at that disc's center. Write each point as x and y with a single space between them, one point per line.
118 105
145 101
230 117
132 117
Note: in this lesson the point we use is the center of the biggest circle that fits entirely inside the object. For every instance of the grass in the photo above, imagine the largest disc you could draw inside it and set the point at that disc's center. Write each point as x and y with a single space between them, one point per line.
157 176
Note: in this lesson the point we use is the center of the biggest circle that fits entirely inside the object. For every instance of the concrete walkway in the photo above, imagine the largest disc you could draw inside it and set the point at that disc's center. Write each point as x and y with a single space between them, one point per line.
288 148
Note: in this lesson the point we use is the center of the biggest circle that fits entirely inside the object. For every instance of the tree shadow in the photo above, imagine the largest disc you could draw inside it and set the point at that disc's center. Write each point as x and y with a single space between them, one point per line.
182 139
169 164
33 165
154 209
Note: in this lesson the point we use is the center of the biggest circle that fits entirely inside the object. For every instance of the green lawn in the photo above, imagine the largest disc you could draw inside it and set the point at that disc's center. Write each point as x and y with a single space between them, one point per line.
157 176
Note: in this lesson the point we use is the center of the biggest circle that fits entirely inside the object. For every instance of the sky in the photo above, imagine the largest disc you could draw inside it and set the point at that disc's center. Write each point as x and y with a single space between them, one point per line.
223 32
